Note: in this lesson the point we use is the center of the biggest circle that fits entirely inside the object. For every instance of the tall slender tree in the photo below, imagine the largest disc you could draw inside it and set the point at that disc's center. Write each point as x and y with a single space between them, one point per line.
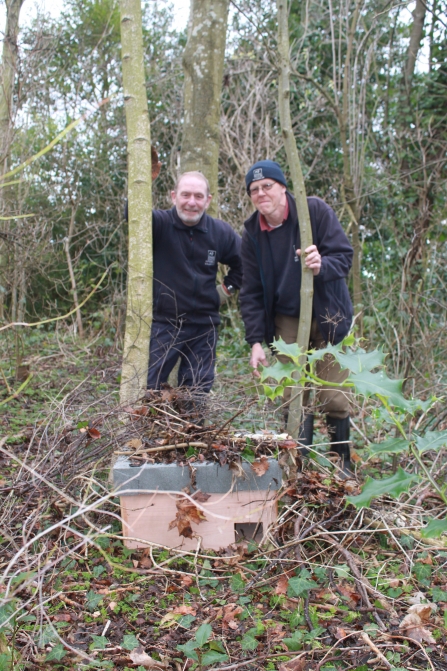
140 265
307 281
203 62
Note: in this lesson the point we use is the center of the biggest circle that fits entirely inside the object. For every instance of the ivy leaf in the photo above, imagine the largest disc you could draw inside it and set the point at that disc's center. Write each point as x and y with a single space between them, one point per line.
213 657
392 445
294 643
237 583
93 600
278 371
434 528
360 361
130 642
432 440
299 586
249 642
99 643
56 654
393 486
203 633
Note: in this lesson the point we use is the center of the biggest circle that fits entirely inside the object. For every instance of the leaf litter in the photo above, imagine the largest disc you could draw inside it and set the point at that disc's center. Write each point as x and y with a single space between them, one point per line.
332 588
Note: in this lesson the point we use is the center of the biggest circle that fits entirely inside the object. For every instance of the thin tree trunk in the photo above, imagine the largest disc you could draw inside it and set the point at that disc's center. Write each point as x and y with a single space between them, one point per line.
203 62
415 40
7 78
307 280
67 242
140 265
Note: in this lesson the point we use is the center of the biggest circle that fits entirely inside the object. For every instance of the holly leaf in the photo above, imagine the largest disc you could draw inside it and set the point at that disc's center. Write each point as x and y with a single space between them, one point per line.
203 633
291 350
272 392
435 528
213 657
278 371
317 354
391 446
358 361
299 586
431 440
393 486
379 384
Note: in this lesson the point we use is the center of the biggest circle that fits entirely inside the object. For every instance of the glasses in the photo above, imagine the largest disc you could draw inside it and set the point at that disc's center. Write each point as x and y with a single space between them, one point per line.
257 189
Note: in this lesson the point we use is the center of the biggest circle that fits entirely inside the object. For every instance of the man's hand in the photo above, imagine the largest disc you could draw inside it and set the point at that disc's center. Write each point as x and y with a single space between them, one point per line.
257 357
312 258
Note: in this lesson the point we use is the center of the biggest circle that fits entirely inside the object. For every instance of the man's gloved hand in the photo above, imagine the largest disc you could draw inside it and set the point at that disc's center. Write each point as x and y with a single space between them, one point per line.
223 292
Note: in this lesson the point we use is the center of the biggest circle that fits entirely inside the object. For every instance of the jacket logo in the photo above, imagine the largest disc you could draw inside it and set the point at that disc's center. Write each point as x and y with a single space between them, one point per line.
257 174
211 260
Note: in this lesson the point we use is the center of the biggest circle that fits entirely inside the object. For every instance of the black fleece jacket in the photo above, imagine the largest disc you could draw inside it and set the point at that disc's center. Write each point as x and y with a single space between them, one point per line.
185 266
272 276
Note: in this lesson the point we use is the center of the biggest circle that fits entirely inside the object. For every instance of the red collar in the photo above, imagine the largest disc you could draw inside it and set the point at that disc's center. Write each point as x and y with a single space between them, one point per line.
263 225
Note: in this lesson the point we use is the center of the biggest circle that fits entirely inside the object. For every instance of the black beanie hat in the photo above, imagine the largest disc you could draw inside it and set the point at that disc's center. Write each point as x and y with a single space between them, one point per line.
264 170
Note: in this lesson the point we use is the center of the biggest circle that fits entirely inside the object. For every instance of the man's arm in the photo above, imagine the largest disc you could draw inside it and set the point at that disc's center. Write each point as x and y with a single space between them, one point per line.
252 295
231 257
331 242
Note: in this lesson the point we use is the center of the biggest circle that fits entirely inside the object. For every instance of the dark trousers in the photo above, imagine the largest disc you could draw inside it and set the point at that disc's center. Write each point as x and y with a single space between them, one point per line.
194 345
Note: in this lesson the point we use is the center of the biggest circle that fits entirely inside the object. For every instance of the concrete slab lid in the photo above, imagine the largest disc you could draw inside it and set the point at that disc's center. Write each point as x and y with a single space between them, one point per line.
210 477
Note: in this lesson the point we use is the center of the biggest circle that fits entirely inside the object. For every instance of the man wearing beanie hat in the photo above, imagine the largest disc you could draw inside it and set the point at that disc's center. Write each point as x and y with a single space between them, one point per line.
270 294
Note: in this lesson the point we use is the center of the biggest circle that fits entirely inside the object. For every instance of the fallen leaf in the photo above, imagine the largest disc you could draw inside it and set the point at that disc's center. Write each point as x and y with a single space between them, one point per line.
297 664
419 597
187 513
201 497
62 617
260 467
282 585
219 446
186 580
134 443
353 597
394 583
184 610
139 656
141 412
424 610
288 444
412 626
145 562
230 612
93 433
112 605
340 633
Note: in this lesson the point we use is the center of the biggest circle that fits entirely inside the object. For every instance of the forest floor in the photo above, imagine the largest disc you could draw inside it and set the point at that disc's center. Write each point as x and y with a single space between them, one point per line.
330 588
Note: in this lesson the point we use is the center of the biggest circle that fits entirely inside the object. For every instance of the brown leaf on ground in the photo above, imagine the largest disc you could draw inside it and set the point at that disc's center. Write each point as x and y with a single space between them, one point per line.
353 597
134 443
340 633
201 497
139 656
423 610
139 412
186 580
229 614
412 626
287 444
93 433
184 610
187 513
282 585
293 665
260 467
61 617
219 446
145 562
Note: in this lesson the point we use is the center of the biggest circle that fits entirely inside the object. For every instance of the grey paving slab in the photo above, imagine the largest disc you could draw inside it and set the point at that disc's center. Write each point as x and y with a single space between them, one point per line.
210 477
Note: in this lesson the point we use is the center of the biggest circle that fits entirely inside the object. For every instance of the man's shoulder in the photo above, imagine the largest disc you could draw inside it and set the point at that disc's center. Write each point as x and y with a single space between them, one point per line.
219 225
251 224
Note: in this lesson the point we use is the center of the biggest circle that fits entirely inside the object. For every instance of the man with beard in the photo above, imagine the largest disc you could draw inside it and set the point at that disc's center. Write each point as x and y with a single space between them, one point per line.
188 245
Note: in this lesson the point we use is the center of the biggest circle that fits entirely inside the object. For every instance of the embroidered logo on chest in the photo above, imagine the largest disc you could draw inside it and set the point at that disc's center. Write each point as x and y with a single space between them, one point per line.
211 260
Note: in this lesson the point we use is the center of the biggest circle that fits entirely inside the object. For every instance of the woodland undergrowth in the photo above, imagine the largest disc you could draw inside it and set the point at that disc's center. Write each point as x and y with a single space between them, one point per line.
329 587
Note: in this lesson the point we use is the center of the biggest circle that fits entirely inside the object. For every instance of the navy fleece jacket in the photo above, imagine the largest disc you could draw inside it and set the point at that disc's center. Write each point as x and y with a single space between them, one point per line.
272 275
185 266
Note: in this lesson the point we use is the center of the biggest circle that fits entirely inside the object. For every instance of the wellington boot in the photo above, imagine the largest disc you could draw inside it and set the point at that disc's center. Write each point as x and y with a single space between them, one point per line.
338 430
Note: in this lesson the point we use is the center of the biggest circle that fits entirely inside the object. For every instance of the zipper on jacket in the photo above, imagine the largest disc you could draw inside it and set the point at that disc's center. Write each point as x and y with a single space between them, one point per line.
191 239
